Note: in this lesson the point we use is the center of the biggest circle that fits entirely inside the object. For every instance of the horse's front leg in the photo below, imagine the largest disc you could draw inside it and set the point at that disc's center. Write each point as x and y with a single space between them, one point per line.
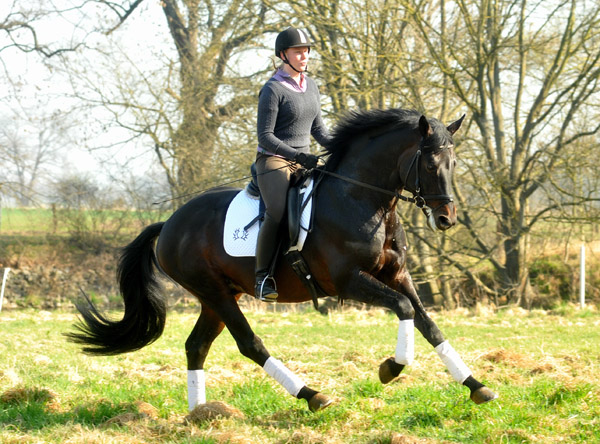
406 304
458 369
363 287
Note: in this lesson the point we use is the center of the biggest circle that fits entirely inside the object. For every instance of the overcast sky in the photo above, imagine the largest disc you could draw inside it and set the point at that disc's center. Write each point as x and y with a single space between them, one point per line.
33 87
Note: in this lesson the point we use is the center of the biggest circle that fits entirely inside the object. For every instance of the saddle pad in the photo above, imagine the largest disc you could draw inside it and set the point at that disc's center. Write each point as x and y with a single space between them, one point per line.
243 209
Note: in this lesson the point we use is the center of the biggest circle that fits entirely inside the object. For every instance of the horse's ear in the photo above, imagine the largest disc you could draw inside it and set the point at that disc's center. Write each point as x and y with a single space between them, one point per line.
454 126
424 127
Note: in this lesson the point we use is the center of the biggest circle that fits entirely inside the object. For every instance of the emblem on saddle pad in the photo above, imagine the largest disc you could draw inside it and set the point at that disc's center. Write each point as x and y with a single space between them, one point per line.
240 231
240 234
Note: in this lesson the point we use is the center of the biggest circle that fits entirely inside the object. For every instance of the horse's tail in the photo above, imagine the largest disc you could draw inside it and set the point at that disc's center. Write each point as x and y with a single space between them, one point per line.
145 308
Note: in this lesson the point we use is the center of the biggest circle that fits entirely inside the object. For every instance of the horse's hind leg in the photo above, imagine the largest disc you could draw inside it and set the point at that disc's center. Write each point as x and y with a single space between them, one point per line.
207 328
252 347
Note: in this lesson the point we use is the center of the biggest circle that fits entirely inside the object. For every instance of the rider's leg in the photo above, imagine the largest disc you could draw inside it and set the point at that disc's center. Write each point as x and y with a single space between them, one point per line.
266 249
274 175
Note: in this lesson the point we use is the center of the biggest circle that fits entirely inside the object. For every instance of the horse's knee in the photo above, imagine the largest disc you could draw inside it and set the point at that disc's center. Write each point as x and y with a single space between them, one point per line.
405 309
253 348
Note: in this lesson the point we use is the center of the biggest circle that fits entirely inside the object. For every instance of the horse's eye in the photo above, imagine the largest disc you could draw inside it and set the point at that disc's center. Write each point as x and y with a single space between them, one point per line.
431 168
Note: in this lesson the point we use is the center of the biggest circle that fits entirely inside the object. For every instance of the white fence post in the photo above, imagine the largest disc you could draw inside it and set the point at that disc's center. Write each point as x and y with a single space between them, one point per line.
582 277
4 279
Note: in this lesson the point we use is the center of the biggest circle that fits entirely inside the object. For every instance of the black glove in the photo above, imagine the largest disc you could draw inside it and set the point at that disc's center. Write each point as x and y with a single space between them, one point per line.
308 161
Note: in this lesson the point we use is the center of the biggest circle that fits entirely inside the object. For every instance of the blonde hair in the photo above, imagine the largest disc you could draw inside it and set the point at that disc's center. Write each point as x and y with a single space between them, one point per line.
276 67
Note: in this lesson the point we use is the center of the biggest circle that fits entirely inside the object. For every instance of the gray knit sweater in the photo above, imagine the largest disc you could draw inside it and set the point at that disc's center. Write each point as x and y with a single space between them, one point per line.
287 118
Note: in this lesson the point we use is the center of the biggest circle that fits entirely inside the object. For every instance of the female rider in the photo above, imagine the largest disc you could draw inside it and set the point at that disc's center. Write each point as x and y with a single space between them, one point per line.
289 112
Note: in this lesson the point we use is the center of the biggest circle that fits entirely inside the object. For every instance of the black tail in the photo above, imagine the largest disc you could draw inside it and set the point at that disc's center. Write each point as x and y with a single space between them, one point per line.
145 310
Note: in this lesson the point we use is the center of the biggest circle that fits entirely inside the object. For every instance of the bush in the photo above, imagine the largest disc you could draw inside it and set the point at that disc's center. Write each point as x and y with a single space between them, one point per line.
552 279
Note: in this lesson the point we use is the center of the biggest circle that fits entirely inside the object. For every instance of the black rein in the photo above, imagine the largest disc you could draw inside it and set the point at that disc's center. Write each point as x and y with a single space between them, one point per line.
418 199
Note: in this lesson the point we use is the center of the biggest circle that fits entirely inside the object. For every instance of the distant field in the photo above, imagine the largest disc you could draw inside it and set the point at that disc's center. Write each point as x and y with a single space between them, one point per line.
18 220
44 220
543 365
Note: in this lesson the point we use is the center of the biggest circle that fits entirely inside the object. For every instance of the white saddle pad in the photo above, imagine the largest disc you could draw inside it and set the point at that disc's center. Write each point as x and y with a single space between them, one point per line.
243 209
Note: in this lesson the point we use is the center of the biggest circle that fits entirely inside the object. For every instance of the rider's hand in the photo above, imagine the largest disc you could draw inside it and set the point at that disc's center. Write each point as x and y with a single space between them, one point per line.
308 161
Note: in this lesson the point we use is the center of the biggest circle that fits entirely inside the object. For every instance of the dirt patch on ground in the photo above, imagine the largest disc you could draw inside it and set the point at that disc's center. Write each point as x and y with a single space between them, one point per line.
213 410
558 368
20 395
510 358
398 438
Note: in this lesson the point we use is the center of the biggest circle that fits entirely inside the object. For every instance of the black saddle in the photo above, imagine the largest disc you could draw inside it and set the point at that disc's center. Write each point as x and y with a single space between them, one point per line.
294 203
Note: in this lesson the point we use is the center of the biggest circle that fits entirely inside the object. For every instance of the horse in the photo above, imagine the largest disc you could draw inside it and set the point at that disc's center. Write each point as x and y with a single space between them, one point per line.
357 250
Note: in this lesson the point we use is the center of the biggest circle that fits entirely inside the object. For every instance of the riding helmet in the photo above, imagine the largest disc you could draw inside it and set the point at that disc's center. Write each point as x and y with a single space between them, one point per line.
291 38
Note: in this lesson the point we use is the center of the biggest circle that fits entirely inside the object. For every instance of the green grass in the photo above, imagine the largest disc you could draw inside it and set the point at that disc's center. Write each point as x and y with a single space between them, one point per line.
46 221
543 365
26 220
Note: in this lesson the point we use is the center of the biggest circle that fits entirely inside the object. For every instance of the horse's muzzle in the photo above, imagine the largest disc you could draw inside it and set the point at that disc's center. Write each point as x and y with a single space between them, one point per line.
442 217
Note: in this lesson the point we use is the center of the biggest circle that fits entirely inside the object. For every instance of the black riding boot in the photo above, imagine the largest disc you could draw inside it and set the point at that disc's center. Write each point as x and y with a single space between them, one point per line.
266 249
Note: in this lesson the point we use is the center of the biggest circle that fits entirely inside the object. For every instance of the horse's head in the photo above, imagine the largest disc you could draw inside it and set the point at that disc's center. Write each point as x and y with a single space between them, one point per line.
431 170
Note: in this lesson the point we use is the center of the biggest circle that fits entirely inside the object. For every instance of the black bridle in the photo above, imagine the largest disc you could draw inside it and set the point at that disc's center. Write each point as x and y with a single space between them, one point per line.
420 200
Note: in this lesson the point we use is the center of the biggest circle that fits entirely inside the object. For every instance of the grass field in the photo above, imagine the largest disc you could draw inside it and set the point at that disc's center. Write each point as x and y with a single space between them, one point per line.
28 221
543 365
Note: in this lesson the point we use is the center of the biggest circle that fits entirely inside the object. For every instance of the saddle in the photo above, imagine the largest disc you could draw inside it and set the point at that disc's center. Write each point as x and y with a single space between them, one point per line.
289 238
294 204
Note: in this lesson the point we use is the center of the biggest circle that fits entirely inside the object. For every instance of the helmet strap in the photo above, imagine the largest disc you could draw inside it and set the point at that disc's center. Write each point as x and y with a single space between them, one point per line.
287 62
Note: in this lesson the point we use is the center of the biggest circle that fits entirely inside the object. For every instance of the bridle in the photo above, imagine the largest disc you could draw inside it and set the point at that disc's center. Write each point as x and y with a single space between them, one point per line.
419 199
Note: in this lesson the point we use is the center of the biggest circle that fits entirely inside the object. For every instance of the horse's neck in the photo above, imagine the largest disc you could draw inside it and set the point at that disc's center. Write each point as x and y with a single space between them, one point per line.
379 161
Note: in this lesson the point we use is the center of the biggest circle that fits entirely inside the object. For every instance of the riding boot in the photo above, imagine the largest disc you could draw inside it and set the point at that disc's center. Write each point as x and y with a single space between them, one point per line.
266 249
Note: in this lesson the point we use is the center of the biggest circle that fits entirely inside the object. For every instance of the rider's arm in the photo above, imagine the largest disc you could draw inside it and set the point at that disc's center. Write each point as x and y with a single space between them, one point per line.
268 107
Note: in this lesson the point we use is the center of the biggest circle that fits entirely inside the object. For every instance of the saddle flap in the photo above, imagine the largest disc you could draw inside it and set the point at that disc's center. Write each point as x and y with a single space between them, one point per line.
294 202
252 187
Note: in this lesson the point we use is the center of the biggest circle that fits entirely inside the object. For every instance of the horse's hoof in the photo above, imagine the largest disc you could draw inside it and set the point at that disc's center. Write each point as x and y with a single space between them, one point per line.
389 370
483 395
318 402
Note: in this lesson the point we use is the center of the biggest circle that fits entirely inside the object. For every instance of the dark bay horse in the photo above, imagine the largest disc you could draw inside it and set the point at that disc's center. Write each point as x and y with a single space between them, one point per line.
356 250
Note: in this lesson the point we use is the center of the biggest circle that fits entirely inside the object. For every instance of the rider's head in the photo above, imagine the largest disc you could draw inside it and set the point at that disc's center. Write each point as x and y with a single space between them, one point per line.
293 47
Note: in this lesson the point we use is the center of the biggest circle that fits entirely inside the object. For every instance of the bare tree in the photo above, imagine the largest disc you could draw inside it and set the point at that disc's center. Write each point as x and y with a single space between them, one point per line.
529 74
20 28
192 102
29 148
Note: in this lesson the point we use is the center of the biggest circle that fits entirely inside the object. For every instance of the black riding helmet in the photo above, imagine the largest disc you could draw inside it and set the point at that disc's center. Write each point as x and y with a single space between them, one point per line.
291 38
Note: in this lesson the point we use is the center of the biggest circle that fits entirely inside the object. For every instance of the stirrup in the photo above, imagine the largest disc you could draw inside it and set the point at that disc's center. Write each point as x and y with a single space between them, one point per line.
260 287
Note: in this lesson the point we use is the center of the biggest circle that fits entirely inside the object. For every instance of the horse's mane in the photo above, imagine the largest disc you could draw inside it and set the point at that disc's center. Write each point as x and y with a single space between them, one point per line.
358 123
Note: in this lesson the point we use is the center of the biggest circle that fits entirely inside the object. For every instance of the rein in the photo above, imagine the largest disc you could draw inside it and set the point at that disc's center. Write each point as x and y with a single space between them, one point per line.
373 187
418 199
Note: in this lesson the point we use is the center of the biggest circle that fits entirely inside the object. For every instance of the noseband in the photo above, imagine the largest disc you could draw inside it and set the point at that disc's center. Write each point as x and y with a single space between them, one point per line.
419 199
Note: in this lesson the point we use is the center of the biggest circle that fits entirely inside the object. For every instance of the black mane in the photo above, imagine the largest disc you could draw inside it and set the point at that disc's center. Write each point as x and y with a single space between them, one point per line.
358 123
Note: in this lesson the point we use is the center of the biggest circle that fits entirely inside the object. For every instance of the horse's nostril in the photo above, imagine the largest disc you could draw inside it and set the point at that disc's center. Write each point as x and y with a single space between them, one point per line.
444 222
